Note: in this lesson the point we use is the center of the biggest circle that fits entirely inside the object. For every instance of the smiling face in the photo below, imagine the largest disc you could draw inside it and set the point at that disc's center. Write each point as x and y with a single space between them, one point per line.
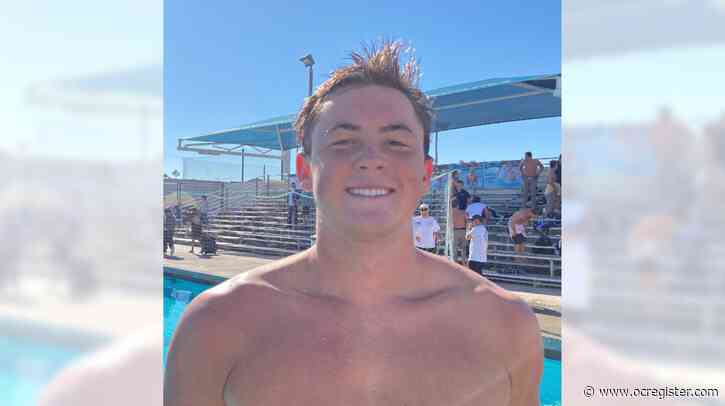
367 166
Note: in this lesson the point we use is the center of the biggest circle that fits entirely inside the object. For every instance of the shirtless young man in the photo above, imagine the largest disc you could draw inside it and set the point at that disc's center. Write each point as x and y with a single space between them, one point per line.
530 170
517 228
362 317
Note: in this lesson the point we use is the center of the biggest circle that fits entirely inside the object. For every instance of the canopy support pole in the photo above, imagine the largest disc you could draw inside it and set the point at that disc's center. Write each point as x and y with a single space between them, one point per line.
436 161
284 157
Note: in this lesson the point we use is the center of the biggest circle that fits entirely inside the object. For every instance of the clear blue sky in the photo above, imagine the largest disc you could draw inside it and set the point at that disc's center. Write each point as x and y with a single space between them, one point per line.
232 63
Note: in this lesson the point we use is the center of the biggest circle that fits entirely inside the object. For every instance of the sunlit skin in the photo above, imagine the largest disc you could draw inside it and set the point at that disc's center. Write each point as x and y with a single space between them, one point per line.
367 138
362 317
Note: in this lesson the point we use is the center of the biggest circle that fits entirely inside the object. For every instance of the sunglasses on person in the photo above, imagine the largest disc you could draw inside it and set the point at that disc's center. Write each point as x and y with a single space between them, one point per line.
423 209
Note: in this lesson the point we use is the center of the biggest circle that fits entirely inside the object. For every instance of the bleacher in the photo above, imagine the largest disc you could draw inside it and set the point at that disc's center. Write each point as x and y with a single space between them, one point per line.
503 263
259 227
255 224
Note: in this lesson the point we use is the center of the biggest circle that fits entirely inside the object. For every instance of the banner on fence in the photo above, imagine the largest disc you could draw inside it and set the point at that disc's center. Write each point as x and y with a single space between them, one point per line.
502 175
487 175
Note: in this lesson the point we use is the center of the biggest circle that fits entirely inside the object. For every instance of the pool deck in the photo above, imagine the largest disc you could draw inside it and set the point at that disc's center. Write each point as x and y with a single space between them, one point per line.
546 302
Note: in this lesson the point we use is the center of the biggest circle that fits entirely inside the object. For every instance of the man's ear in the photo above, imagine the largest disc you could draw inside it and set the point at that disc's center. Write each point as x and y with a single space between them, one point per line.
428 168
303 172
428 173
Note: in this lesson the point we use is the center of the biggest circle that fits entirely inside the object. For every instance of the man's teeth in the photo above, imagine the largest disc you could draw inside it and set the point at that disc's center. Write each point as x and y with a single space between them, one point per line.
369 192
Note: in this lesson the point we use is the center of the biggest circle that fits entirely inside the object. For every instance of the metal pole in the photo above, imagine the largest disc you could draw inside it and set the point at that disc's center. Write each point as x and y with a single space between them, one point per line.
242 165
309 82
223 197
436 148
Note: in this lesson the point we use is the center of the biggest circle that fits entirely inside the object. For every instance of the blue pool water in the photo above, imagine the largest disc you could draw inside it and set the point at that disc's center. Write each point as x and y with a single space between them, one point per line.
175 302
26 366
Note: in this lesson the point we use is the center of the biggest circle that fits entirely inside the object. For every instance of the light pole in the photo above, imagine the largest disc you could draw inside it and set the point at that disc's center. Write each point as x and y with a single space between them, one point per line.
309 61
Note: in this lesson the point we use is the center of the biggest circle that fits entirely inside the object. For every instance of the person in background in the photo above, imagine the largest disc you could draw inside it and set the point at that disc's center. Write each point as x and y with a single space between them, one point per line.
292 206
195 228
472 178
177 214
478 245
558 171
204 210
553 191
530 171
461 197
425 230
459 234
169 229
477 208
456 176
517 229
459 203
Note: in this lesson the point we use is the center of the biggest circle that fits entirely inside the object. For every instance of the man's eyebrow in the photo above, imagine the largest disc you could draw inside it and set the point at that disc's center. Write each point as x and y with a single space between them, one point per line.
396 127
342 126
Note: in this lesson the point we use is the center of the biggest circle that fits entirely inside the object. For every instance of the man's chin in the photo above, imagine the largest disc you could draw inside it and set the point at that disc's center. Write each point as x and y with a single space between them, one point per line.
370 226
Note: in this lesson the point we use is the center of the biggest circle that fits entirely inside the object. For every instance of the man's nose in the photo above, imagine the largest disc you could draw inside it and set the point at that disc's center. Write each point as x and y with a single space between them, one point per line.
371 158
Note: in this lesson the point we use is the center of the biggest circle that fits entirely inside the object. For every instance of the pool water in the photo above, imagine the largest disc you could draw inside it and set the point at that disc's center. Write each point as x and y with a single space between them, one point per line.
176 299
27 366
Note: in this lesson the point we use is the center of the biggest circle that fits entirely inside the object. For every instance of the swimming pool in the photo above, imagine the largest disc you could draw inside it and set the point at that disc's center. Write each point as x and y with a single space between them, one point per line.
176 299
27 365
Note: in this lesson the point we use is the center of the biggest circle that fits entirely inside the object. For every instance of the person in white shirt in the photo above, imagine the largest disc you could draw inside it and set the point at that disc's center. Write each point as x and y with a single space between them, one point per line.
425 230
478 209
478 245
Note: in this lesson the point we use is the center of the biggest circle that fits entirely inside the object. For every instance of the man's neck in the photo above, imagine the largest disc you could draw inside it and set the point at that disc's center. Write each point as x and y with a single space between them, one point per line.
364 271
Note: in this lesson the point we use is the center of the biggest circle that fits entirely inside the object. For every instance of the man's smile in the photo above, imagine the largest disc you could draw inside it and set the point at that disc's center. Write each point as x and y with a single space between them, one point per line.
369 192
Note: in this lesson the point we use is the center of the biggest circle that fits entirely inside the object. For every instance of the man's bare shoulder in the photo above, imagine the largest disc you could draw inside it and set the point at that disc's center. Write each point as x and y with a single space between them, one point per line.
484 298
239 305
220 328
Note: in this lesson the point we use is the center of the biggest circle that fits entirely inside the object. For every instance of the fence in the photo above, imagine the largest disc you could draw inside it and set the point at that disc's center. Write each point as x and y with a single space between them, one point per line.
490 175
220 196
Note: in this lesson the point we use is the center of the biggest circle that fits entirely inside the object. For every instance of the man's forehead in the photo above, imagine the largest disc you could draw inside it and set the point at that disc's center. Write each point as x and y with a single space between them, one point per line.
363 105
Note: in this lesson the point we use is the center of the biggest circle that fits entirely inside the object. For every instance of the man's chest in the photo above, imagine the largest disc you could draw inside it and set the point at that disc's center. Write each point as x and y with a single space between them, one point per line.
359 367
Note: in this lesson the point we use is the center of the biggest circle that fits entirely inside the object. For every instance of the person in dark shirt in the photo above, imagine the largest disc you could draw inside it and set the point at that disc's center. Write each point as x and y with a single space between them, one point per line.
461 196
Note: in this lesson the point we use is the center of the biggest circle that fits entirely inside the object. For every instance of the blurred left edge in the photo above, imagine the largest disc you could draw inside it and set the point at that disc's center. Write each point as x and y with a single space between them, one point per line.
80 203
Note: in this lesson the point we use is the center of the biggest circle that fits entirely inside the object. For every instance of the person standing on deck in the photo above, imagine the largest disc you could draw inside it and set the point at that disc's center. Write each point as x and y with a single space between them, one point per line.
425 230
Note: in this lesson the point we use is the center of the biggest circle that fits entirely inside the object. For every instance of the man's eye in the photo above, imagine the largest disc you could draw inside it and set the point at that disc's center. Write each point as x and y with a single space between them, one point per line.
397 144
340 143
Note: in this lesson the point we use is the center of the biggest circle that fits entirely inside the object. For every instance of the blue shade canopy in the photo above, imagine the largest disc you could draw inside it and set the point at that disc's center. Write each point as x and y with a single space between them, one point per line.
466 105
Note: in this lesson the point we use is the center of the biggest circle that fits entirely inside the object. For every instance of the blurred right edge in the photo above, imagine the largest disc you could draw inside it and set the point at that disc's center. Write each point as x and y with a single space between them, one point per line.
643 190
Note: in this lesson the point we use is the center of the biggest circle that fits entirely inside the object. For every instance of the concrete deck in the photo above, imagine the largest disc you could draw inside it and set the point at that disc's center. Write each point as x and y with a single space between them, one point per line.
546 302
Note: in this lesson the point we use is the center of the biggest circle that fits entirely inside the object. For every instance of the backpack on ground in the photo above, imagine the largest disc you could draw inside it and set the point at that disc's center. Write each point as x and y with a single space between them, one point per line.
208 244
